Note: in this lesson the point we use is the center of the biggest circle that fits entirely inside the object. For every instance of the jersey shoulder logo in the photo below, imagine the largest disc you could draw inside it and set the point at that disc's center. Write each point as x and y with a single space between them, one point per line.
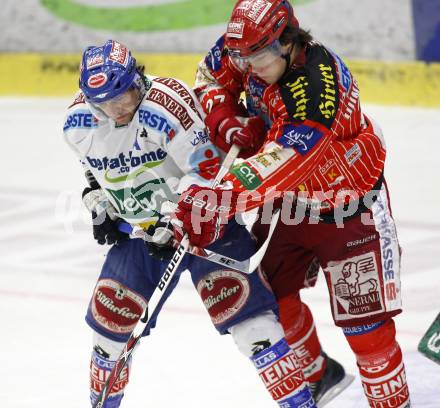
180 90
312 92
80 119
302 138
172 106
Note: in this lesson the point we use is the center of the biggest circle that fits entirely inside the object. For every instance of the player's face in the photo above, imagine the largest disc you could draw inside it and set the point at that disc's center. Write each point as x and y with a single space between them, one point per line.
268 64
122 108
272 72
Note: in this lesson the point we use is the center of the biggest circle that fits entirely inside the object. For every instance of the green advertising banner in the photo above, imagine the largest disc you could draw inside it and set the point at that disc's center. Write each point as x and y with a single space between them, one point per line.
175 15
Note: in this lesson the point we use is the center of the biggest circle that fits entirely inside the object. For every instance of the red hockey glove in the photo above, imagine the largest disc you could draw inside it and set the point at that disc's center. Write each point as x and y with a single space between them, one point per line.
229 125
203 213
247 133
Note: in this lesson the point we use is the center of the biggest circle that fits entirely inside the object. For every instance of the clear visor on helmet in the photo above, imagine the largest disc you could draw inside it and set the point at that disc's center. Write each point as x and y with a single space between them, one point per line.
122 105
259 59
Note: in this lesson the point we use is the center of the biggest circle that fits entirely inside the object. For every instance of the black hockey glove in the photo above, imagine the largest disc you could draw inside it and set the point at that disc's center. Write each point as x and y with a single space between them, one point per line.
105 230
161 239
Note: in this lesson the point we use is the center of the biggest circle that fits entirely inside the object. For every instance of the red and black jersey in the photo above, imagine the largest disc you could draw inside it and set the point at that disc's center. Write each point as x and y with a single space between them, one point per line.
318 140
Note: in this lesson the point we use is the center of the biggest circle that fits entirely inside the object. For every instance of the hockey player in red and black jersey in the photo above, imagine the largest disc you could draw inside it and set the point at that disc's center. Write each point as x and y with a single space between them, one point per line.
142 141
308 148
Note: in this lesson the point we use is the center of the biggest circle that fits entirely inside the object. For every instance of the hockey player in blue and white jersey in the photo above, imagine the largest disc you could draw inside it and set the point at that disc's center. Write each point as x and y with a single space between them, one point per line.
142 141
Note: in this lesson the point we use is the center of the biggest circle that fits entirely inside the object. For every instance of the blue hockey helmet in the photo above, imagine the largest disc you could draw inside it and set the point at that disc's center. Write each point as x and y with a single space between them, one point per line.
107 71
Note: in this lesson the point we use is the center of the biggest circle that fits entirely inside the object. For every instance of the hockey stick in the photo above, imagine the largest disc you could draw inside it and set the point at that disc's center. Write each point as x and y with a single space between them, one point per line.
429 345
157 295
247 266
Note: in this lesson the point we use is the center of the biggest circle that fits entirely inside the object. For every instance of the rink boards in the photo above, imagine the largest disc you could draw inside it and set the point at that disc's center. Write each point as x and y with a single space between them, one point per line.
386 83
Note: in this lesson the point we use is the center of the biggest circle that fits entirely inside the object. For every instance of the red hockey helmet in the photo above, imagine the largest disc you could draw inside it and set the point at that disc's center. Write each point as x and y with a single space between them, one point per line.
256 24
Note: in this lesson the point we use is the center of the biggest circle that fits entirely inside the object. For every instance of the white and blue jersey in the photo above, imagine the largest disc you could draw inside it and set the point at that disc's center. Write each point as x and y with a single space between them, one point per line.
162 151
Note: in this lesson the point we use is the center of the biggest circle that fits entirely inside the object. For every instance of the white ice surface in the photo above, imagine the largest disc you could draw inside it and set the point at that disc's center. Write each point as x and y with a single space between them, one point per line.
49 263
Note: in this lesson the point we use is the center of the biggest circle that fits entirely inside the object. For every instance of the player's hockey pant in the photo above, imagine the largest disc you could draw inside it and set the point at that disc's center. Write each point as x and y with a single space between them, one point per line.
261 338
380 364
130 275
361 264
